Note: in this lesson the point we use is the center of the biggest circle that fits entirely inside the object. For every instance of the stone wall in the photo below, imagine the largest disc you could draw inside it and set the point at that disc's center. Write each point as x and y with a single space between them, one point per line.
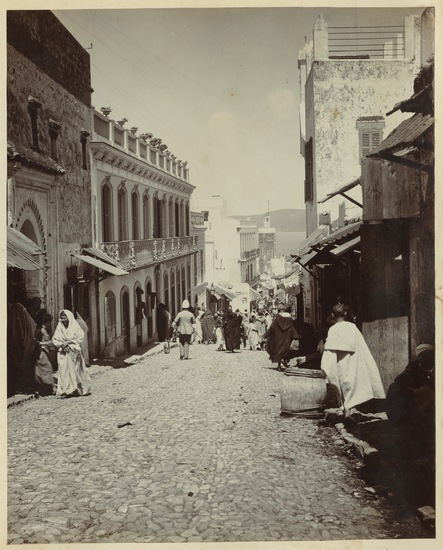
40 37
26 79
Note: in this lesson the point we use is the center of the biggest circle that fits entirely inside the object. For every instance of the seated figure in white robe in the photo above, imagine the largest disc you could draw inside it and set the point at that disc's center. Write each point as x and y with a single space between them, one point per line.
348 363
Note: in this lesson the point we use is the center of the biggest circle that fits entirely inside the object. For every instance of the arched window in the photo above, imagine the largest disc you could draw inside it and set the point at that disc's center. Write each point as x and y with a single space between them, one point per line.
135 217
146 217
158 220
122 214
177 219
171 218
182 218
110 318
107 222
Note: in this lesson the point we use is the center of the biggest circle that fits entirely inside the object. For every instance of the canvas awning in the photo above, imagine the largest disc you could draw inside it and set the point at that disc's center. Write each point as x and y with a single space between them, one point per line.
20 251
342 191
100 255
101 265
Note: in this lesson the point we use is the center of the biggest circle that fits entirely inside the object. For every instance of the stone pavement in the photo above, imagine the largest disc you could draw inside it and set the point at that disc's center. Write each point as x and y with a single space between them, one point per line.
184 451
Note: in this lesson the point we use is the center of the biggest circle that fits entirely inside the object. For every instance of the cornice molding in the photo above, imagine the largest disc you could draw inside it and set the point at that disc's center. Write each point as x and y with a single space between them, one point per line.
120 159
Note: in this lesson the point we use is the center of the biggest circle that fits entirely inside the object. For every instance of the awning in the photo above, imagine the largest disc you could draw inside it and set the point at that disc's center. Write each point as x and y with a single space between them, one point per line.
345 247
20 251
19 240
253 295
304 260
342 190
219 292
21 260
405 135
101 265
100 255
340 234
314 237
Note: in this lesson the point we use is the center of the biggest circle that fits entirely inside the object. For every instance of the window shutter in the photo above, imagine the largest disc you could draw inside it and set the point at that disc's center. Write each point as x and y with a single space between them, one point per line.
365 144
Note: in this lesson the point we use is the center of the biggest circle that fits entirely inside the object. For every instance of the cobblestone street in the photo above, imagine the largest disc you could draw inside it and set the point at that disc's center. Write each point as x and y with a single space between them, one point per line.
182 451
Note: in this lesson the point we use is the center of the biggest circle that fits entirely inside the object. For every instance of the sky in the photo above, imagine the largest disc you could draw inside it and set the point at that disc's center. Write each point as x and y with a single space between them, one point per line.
219 86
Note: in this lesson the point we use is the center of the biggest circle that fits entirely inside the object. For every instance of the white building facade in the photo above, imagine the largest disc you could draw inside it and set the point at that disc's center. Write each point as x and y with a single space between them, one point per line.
142 223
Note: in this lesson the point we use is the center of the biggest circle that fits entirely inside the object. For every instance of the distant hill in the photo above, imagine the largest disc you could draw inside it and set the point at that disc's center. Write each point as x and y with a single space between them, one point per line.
284 220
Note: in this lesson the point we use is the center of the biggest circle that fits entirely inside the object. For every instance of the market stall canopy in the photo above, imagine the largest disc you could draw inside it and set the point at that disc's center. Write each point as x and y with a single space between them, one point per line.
20 251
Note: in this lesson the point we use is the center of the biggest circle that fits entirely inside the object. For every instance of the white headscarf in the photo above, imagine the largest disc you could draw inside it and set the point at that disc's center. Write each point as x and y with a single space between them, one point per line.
73 332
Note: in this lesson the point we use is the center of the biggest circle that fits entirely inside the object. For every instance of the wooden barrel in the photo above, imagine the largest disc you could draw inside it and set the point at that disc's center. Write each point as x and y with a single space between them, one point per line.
303 392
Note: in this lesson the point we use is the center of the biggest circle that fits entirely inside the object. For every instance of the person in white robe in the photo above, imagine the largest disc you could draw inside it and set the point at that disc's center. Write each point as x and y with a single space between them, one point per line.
73 377
348 363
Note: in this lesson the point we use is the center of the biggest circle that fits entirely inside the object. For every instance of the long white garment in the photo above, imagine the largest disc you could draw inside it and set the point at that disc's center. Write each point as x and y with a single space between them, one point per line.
349 365
72 374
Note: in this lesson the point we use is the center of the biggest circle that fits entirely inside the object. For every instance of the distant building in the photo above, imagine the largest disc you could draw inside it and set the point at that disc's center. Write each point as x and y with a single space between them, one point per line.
266 244
231 243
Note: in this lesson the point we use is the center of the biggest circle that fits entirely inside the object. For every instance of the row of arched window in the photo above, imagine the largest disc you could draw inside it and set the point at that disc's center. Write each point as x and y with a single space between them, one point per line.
171 288
146 218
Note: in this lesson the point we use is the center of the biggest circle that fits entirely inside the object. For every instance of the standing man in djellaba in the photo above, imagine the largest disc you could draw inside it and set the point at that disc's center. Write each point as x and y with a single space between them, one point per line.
231 323
279 337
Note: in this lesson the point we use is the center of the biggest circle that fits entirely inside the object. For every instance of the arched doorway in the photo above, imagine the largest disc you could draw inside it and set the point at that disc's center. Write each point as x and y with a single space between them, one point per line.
34 280
149 307
173 310
126 321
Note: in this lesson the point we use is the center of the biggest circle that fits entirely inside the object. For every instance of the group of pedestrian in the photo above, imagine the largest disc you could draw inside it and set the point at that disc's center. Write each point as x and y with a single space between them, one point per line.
45 364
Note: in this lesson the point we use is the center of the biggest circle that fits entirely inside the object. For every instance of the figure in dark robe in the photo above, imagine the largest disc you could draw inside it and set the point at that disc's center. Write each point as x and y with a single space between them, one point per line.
207 327
231 324
279 337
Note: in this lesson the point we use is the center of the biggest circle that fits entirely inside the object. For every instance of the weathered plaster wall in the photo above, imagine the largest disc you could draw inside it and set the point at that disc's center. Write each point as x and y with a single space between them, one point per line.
26 79
41 38
342 91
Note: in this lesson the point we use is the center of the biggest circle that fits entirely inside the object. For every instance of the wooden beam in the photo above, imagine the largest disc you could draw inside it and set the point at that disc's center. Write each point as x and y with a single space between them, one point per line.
407 162
351 199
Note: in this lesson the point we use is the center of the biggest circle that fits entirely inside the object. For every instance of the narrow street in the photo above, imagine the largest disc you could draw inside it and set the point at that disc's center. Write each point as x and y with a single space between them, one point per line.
182 451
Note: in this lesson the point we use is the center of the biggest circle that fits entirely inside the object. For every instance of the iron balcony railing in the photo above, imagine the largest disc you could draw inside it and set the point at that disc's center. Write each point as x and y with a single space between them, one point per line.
141 253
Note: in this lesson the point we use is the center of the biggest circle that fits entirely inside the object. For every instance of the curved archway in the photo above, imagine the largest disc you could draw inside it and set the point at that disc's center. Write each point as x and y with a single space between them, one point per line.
125 319
35 281
107 216
139 306
148 306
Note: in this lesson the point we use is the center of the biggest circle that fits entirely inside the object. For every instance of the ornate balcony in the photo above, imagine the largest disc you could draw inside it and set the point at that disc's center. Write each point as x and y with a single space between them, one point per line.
145 252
